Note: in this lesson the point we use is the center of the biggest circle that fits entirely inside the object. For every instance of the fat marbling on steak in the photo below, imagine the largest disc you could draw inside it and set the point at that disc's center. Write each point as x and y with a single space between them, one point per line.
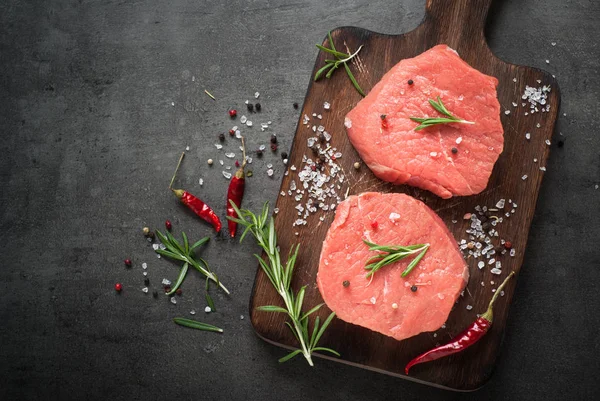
424 158
387 304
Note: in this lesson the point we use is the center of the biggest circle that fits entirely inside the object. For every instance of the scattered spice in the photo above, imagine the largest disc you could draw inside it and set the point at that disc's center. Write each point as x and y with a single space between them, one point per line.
508 245
274 147
356 165
464 340
454 150
146 231
200 208
231 132
168 225
155 294
118 287
259 152
560 144
295 105
232 113
410 82
146 281
210 162
273 138
127 262
250 107
257 106
346 283
284 155
178 291
414 288
384 123
221 137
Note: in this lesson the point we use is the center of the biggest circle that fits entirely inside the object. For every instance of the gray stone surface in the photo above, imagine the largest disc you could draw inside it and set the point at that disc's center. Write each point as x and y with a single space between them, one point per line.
89 141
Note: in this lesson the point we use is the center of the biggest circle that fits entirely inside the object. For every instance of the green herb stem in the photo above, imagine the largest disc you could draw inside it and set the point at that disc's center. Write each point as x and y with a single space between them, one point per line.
262 228
389 254
184 253
194 324
430 121
340 59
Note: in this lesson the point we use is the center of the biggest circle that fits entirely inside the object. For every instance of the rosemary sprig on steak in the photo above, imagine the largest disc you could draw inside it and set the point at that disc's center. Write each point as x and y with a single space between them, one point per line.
439 106
389 254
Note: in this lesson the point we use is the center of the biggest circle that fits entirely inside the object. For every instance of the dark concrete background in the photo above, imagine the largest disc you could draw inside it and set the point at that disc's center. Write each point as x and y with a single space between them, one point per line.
89 141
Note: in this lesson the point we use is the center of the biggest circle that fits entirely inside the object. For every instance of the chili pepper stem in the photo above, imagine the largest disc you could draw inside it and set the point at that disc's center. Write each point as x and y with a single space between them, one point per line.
176 170
489 313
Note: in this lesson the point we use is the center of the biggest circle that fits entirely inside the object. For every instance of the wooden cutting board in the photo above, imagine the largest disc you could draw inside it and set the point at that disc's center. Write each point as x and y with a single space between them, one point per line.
459 24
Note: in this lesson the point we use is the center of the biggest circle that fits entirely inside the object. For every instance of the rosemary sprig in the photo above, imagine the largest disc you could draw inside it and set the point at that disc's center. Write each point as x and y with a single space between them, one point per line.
439 106
194 324
389 254
185 253
340 58
262 229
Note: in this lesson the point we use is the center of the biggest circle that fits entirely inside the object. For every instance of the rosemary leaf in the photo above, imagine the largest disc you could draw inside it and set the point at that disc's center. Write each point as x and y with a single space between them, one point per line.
354 82
199 243
327 350
322 70
334 52
186 244
290 356
271 308
414 262
441 108
180 278
194 324
210 302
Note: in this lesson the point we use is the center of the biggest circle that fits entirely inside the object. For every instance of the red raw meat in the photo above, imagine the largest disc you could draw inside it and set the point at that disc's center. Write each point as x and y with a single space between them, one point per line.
401 220
399 154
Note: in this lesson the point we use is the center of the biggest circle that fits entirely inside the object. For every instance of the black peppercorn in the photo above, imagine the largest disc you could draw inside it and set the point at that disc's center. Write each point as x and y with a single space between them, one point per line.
454 150
414 288
257 106
221 137
155 294
250 107
284 155
322 157
560 144
273 138
485 225
259 152
346 283
483 218
295 105
322 137
274 147
410 82
146 281
178 292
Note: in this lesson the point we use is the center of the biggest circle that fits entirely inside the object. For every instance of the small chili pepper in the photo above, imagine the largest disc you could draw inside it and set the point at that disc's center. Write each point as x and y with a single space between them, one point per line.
118 287
465 339
200 208
168 225
235 192
232 113
374 224
127 262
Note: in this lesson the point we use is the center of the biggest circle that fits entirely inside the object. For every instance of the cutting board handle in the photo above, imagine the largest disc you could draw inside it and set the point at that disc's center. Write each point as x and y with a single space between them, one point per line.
459 23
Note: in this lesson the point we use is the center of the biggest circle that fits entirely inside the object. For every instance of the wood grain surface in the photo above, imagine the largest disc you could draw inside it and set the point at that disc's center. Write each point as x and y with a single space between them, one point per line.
459 24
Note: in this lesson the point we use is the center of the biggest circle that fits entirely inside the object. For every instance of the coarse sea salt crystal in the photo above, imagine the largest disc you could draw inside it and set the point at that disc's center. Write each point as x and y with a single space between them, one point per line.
249 123
207 309
496 271
166 282
192 312
500 204
394 216
218 146
433 154
469 307
221 162
543 168
155 246
524 177
230 155
528 136
145 290
243 119
270 172
547 142
507 112
256 95
459 140
226 174
326 105
173 300
481 264
373 300
513 252
201 181
144 265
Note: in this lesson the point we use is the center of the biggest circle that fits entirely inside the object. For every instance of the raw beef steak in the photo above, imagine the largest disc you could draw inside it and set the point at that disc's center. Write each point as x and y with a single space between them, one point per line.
387 304
399 154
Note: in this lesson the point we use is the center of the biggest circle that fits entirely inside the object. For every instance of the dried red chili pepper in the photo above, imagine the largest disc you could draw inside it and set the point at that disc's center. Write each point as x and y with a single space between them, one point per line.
465 339
200 208
235 192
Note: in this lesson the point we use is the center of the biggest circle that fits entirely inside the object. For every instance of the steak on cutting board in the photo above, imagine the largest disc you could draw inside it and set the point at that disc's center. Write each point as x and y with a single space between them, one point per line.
387 304
424 158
